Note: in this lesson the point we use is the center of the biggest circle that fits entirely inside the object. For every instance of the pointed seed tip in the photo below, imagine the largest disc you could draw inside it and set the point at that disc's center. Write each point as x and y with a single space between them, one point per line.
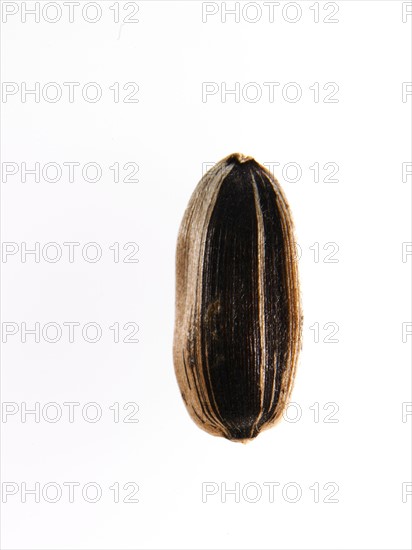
241 158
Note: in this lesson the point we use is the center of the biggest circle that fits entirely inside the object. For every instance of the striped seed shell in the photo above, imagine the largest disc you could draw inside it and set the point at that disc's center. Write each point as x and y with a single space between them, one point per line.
238 316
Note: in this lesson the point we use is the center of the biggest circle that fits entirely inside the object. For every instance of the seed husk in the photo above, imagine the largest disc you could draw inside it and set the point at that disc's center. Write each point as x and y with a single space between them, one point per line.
238 317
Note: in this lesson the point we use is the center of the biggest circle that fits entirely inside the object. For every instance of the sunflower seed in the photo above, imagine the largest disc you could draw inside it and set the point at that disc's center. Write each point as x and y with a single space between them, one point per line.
238 314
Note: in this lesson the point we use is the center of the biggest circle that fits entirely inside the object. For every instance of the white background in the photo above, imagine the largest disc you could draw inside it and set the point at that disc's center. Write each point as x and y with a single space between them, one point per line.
170 133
